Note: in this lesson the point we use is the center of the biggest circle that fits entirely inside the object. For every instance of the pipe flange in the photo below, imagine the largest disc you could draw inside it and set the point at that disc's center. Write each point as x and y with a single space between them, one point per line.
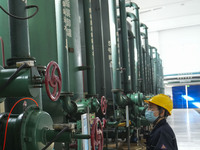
12 61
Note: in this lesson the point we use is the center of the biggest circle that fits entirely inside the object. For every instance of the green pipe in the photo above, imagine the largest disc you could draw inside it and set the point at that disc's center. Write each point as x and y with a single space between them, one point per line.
133 5
75 49
125 53
132 60
147 57
64 137
162 83
135 33
63 60
81 136
144 55
151 69
160 75
24 79
92 103
155 70
19 35
89 48
69 106
136 18
116 76
103 50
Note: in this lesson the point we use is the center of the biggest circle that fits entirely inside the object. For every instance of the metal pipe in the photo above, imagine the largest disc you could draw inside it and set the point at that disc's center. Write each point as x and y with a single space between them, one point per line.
158 73
75 50
132 60
81 136
115 53
19 35
89 48
151 69
103 51
63 60
125 53
138 45
161 75
155 70
64 137
134 53
147 57
144 56
92 103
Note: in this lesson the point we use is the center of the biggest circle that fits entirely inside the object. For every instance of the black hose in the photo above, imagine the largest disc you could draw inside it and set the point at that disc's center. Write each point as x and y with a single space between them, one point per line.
22 18
56 137
12 77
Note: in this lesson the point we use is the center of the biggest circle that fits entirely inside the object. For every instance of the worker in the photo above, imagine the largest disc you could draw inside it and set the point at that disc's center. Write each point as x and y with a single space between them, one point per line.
162 135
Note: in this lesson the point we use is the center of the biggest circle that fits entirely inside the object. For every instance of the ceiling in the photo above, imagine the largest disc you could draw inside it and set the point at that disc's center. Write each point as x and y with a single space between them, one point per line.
168 14
150 5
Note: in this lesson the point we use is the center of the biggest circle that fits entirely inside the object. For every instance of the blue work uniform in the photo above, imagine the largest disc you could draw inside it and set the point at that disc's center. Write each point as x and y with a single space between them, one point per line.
162 137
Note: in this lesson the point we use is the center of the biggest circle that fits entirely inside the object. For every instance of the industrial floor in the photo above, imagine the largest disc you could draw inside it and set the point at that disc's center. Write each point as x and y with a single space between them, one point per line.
186 125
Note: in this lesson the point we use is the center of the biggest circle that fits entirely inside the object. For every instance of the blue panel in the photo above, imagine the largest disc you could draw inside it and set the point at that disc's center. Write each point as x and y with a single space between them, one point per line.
194 93
178 99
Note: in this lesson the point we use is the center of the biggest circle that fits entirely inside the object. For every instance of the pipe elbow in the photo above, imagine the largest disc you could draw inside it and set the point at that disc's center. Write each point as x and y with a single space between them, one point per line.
122 100
132 4
143 35
69 106
143 25
132 16
152 47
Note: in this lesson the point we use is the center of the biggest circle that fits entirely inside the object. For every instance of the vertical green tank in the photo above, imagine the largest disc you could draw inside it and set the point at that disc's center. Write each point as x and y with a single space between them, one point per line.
60 41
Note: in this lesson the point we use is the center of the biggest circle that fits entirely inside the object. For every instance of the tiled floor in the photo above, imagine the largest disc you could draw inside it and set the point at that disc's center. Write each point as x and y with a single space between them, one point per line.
186 125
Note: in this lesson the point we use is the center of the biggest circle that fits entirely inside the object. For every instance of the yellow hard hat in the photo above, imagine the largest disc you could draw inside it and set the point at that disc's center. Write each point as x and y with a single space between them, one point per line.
162 100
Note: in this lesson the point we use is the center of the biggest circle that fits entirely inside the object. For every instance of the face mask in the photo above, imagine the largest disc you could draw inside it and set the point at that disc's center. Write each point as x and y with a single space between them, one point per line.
149 115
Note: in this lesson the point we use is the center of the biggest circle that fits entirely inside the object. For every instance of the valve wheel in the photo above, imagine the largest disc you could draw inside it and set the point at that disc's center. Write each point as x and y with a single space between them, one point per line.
104 122
103 105
53 81
97 134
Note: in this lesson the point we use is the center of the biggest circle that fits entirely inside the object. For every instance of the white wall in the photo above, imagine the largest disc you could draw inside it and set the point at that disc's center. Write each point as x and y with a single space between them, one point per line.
179 49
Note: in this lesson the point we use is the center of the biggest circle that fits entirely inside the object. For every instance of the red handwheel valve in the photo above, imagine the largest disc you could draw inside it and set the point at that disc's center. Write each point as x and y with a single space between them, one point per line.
97 134
103 105
53 81
104 122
